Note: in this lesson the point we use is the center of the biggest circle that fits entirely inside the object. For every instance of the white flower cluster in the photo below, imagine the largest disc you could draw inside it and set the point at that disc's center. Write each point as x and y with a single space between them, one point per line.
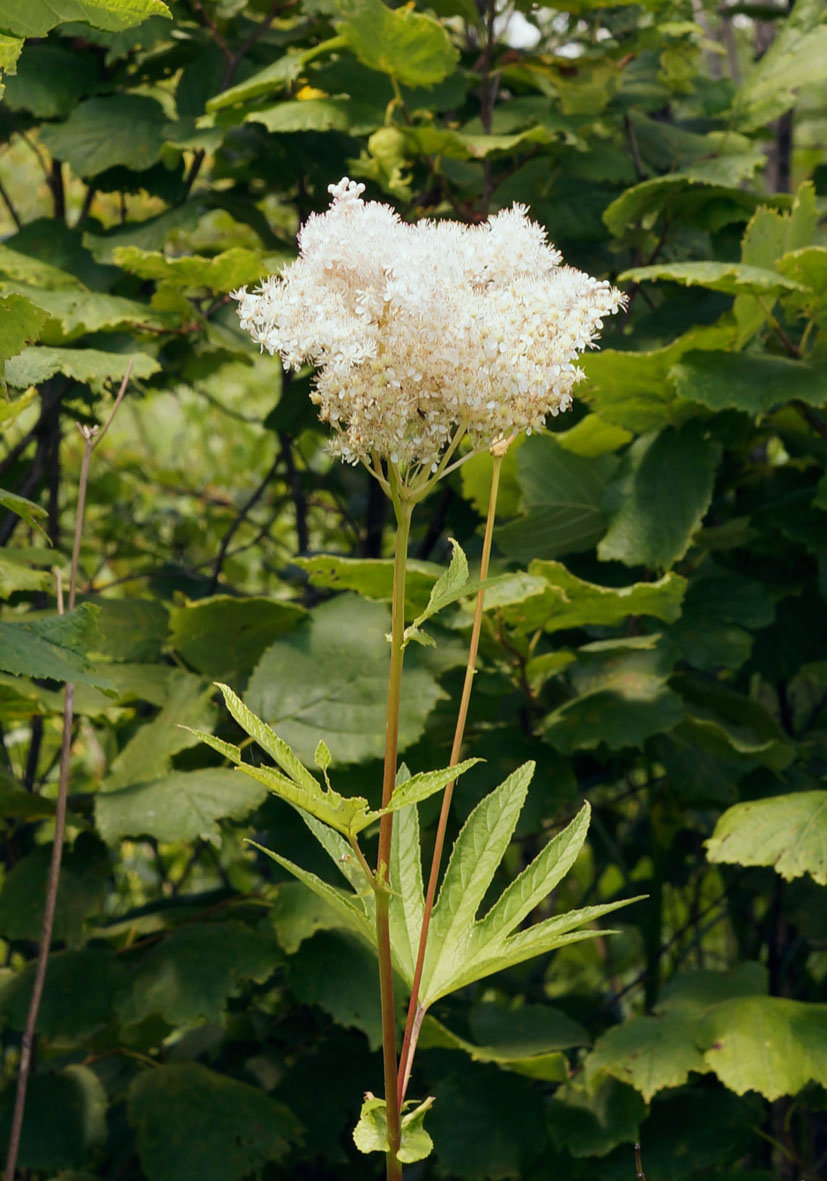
422 330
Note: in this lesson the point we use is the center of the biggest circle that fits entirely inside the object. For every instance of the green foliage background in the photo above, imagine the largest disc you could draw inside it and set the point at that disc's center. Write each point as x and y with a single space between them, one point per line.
659 649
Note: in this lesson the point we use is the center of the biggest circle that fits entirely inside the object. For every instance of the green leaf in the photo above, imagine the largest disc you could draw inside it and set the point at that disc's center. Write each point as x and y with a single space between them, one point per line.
767 1044
192 1121
795 58
751 382
230 268
487 1123
74 312
84 875
661 497
65 1119
20 324
371 1132
448 587
592 436
177 806
563 495
525 1041
101 133
30 512
371 577
788 833
407 900
733 278
92 367
338 973
49 81
53 646
344 902
132 630
36 17
345 637
223 637
649 1053
564 601
461 948
78 995
319 114
591 1120
410 46
297 914
808 266
731 726
189 975
151 747
424 784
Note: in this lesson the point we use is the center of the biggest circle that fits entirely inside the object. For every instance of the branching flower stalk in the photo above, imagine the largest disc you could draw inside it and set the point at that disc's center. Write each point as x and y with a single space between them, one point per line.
432 342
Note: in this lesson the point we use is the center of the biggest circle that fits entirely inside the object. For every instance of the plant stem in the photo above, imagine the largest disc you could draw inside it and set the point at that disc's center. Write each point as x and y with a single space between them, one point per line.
402 508
415 1012
91 439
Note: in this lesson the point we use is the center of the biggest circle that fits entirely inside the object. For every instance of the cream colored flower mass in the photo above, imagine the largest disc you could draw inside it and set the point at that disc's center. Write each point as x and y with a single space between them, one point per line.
422 330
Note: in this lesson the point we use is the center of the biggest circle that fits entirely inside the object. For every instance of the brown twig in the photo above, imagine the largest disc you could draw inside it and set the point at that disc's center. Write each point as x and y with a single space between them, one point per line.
7 201
243 512
641 1176
92 436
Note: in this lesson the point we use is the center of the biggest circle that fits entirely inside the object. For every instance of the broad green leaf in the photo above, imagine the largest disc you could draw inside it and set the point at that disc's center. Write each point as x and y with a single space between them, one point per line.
49 81
22 267
808 266
33 514
788 833
730 725
100 133
407 900
65 1120
338 973
55 647
531 1059
410 46
345 903
223 637
274 77
525 1029
84 878
371 577
794 59
593 436
565 601
176 806
649 1053
695 992
149 750
767 1044
36 17
754 383
231 268
189 1119
702 193
476 854
10 48
133 630
20 324
591 1120
188 976
563 495
10 411
319 114
346 638
92 367
661 497
371 1132
78 995
733 278
297 914
73 312
20 804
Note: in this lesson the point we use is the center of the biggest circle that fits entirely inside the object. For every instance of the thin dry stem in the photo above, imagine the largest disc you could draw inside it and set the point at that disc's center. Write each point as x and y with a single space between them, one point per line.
91 439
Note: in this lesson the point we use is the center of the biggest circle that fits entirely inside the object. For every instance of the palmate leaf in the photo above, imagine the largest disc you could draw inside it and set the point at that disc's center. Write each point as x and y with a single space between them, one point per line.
463 949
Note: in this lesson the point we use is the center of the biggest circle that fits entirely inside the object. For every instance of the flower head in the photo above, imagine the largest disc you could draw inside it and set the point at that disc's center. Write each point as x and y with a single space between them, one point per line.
420 331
